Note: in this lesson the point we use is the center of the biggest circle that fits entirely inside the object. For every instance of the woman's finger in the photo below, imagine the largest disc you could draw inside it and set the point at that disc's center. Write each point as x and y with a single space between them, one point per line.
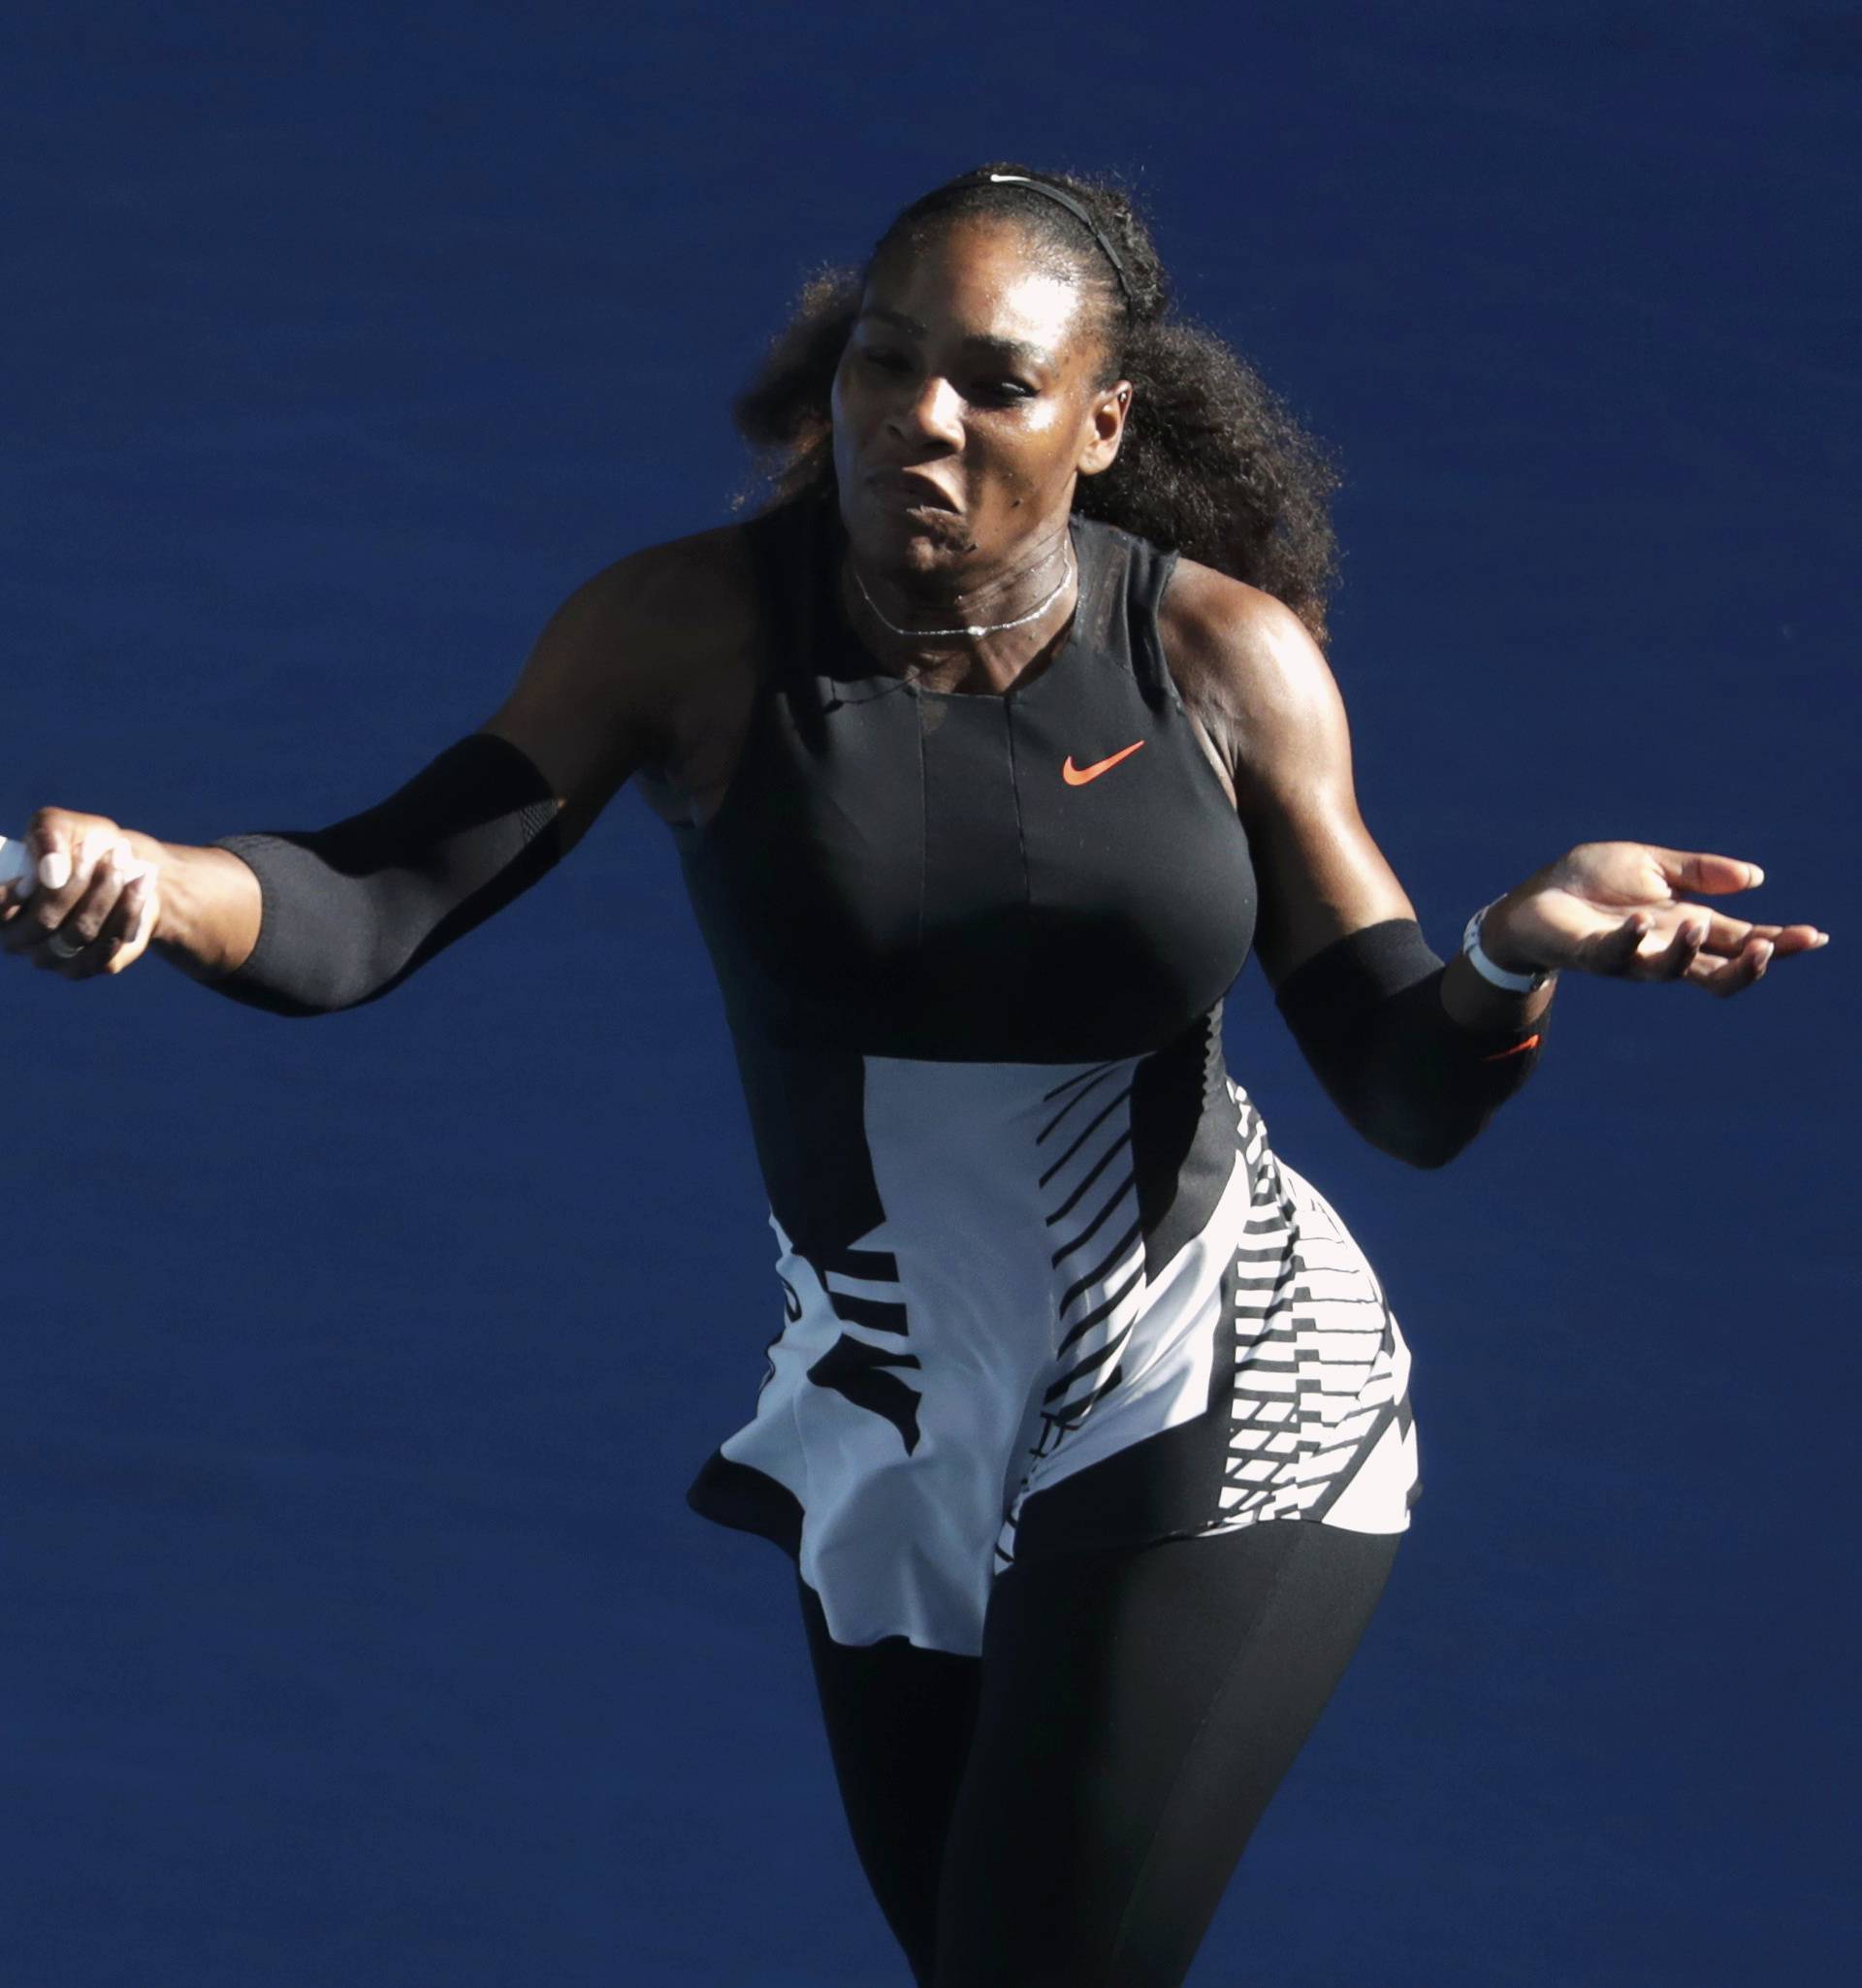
51 903
1671 961
1792 937
84 919
1727 977
132 921
84 925
1696 870
1725 937
1614 953
1729 937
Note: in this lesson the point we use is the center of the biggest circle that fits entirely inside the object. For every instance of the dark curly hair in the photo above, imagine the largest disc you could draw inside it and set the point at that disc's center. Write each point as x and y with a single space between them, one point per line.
1212 463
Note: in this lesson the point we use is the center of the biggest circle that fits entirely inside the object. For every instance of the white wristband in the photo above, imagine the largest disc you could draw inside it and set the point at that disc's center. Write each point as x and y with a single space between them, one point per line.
1497 976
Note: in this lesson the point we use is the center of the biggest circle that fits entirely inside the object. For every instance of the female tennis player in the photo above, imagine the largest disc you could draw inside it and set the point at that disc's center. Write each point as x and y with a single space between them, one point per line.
991 744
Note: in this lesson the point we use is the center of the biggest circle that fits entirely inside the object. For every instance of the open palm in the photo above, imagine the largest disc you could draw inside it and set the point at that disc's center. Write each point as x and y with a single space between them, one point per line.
1614 908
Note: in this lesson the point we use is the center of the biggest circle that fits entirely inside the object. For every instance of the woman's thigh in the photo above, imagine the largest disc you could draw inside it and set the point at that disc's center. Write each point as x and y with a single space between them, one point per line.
899 1724
1139 1708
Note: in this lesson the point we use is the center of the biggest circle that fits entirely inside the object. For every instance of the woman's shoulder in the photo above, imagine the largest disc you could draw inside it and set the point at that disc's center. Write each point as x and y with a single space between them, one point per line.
684 592
710 592
690 612
1226 631
1246 664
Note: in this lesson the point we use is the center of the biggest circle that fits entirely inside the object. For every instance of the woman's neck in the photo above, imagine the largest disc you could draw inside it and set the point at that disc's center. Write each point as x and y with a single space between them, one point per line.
983 638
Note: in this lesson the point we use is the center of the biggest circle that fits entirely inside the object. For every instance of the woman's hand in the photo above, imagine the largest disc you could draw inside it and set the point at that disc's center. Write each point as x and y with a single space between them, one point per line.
90 902
1611 908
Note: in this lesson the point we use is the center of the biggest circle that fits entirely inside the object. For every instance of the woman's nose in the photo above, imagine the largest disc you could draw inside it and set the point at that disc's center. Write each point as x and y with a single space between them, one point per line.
934 410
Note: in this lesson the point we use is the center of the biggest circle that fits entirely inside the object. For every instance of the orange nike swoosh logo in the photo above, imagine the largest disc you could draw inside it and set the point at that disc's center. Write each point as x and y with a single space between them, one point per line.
1079 776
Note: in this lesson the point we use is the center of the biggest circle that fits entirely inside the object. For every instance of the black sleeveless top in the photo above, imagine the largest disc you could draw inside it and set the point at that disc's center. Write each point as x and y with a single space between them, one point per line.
1046 1283
1050 874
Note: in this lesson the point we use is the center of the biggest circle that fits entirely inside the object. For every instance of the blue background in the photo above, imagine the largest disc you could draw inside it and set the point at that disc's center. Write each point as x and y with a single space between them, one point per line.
355 1630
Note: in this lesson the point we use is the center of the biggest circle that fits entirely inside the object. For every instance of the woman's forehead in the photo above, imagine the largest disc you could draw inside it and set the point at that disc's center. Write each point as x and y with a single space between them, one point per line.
982 283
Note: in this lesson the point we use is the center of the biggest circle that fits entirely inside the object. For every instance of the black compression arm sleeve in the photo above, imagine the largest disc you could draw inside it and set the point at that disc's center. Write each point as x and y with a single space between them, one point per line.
1368 1013
350 911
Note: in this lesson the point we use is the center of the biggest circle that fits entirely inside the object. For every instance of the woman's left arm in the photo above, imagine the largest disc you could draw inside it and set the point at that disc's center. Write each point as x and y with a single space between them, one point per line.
1418 1054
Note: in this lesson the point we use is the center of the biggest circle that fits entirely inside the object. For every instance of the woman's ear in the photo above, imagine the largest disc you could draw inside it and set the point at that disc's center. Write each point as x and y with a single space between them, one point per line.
1109 415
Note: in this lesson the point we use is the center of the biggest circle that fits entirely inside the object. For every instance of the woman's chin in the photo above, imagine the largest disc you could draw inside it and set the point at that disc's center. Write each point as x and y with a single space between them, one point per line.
921 537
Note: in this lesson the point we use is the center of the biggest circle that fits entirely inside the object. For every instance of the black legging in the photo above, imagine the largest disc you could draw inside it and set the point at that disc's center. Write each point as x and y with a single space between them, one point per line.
1064 1811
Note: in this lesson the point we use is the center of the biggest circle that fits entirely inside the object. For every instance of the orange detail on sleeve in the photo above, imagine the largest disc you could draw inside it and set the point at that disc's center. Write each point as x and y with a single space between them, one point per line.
1531 1041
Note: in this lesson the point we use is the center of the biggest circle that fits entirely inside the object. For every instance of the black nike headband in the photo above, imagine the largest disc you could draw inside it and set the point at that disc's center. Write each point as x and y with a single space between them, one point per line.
1072 206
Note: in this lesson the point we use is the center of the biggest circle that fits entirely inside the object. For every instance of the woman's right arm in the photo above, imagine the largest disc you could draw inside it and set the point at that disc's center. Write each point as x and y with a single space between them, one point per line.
310 922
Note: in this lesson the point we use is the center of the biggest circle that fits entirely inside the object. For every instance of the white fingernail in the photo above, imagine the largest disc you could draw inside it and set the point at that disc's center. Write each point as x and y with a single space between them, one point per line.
55 870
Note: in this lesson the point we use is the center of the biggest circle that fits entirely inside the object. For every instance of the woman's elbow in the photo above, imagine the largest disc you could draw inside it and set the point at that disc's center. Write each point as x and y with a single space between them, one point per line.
1419 1133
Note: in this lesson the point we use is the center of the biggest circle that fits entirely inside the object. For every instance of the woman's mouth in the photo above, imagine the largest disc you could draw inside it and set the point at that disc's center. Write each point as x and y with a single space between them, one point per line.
899 490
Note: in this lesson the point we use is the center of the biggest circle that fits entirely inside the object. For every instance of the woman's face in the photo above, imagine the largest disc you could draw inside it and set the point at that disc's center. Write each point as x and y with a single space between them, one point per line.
971 367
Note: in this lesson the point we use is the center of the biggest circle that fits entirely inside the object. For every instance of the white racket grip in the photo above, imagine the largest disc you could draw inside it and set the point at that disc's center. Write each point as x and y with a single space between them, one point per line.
15 865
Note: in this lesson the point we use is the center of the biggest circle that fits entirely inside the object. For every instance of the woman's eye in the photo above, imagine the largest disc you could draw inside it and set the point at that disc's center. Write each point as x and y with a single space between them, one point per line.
1001 391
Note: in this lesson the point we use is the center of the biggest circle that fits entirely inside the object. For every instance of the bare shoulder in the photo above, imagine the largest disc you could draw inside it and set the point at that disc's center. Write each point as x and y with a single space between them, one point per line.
644 669
683 600
1247 666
